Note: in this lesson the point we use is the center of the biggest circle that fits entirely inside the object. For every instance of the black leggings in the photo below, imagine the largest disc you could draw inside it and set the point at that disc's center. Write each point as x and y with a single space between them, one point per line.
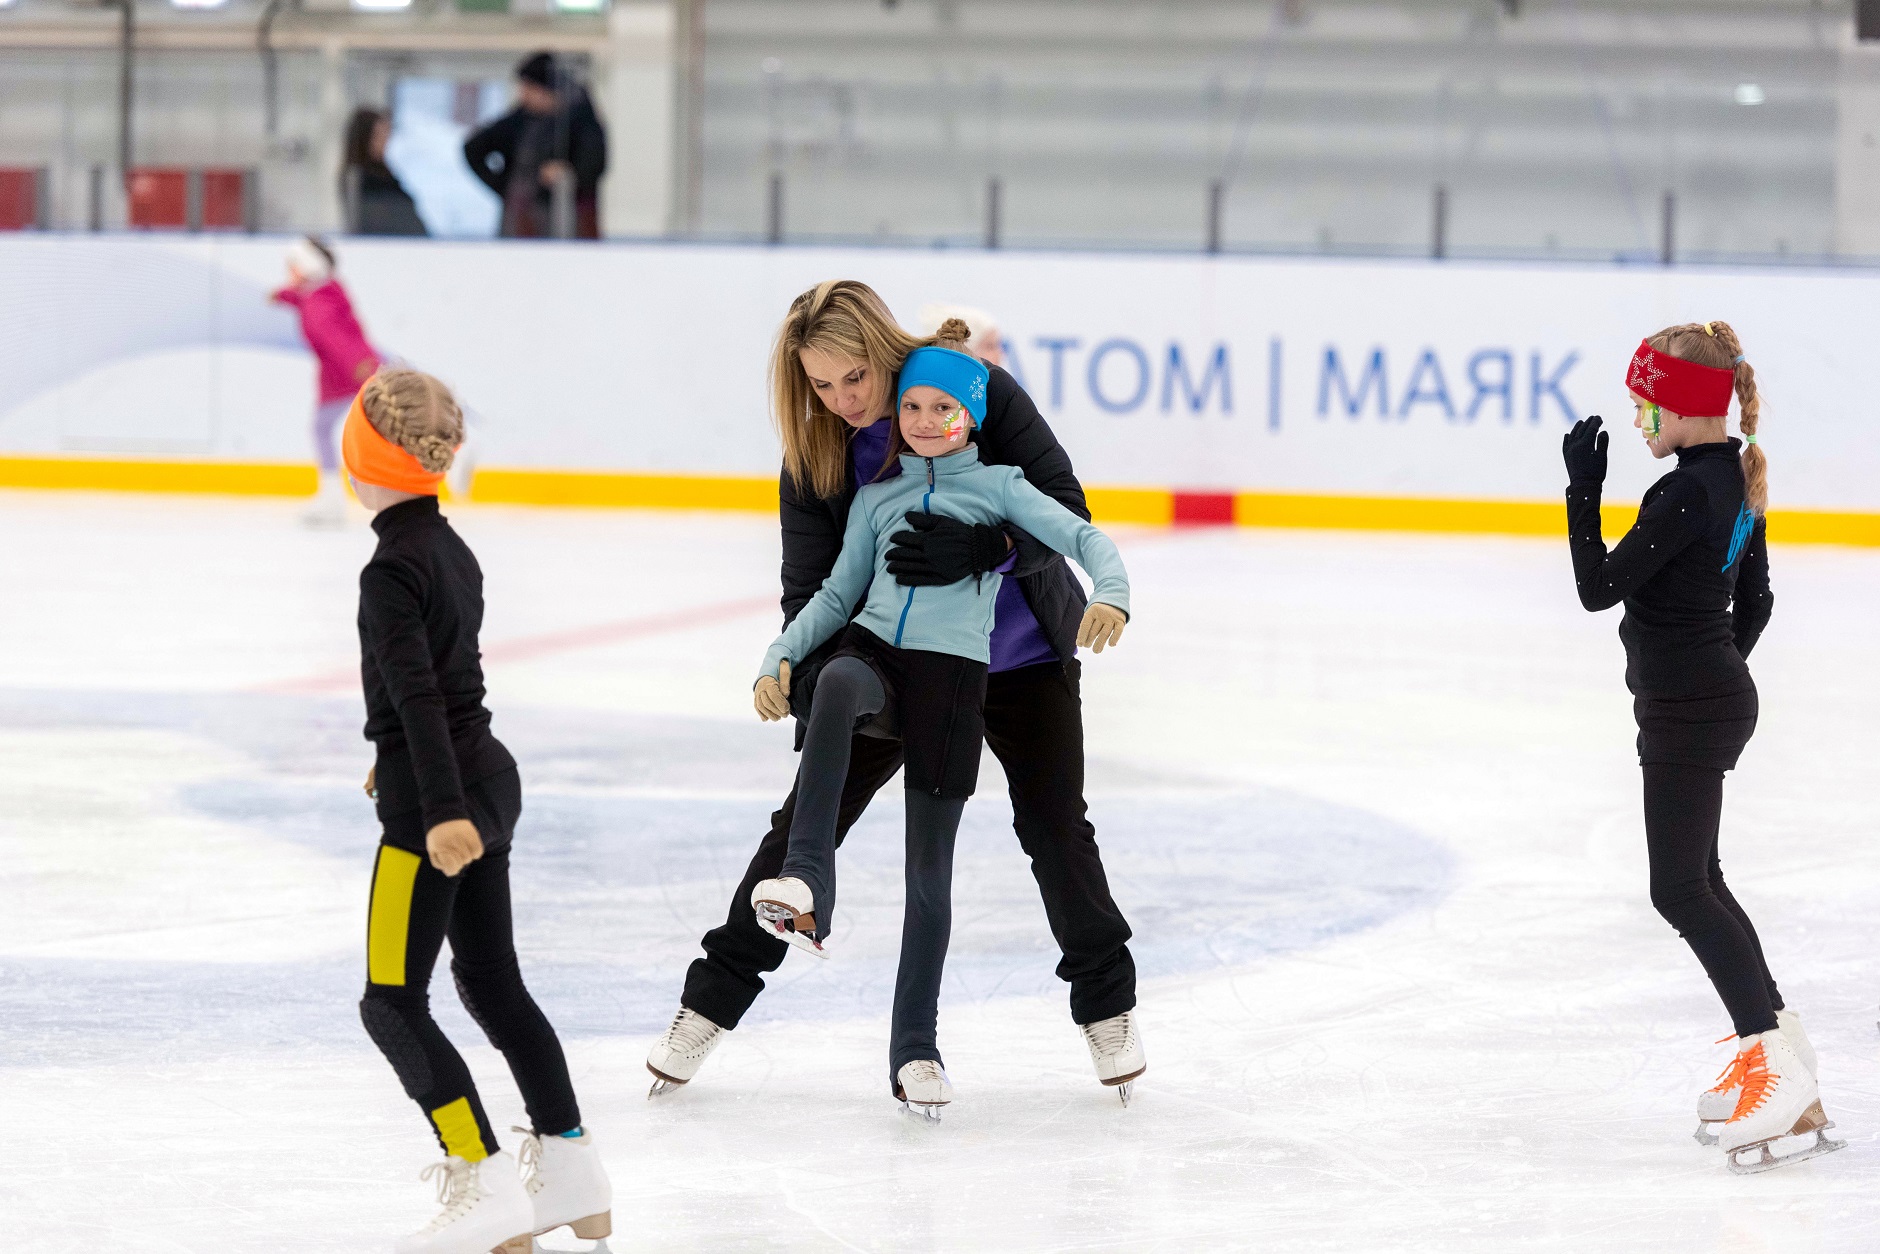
1034 726
847 692
414 908
1683 805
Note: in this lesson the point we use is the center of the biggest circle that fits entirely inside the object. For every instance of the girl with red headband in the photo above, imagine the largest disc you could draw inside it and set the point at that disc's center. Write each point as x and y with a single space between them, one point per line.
1693 574
448 799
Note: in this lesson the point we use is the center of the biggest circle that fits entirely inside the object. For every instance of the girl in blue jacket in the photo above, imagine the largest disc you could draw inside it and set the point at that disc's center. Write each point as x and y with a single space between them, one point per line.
912 664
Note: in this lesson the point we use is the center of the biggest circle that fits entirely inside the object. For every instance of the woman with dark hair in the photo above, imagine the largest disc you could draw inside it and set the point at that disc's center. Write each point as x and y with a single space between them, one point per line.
833 375
376 202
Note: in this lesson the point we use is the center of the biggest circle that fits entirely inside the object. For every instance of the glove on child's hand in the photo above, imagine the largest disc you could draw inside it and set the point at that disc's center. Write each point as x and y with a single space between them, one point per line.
772 696
1584 449
453 845
1102 625
939 550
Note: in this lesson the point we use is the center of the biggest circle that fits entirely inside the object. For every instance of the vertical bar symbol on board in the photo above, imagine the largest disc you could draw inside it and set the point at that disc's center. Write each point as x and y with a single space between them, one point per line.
1272 384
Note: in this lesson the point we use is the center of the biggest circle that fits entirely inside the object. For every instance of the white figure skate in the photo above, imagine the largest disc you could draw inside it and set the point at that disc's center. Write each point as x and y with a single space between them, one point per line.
679 1052
1116 1052
1716 1105
923 1088
567 1185
485 1210
786 909
328 507
1780 1100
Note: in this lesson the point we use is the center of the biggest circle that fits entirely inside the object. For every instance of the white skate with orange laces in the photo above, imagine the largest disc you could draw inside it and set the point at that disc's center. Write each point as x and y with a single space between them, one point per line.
1779 1107
1716 1105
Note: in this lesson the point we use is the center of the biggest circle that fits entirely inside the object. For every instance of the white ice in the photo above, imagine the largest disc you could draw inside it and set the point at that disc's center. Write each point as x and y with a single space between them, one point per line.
1369 802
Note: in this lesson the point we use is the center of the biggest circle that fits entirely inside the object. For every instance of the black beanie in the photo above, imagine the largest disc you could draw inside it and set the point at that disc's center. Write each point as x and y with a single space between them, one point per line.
539 69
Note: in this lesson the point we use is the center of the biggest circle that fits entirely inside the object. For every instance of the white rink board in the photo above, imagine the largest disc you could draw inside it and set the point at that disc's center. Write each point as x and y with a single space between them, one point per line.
1159 371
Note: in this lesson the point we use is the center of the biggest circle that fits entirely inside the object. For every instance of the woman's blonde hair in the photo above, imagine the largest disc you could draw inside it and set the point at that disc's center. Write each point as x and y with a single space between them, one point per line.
841 317
417 413
953 334
1715 344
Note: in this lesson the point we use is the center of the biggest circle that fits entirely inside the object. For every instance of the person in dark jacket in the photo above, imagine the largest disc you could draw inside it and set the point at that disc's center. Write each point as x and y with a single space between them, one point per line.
553 133
377 203
833 376
448 798
1693 574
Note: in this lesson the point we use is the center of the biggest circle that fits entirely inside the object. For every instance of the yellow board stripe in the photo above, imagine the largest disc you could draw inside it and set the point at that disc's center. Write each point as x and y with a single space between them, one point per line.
391 916
1151 506
457 1128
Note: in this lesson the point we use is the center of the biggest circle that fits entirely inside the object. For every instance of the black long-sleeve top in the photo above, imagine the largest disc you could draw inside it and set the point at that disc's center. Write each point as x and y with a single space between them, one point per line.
1013 434
577 137
1693 573
420 609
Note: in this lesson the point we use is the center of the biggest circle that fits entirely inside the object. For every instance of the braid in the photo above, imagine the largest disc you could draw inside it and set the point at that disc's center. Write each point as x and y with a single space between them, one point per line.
953 334
417 413
1716 344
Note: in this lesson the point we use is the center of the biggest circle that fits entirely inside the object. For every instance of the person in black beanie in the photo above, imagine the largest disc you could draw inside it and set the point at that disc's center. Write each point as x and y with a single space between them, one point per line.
1693 574
553 133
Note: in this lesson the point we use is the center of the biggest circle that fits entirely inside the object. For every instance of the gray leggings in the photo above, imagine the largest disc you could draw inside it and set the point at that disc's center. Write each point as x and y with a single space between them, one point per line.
847 692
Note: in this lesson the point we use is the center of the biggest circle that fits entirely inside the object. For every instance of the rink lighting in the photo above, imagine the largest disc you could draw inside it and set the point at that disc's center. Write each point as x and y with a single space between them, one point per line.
198 4
1749 94
580 6
381 6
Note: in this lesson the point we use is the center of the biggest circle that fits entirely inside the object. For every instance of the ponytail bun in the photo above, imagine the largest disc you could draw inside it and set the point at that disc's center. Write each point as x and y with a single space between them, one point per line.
417 413
953 333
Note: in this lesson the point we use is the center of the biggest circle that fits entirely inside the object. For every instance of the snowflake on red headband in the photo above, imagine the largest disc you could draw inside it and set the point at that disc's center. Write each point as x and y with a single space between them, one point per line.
1645 373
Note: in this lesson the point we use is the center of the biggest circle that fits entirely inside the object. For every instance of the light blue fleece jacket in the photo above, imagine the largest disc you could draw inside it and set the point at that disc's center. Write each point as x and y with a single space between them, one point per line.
956 618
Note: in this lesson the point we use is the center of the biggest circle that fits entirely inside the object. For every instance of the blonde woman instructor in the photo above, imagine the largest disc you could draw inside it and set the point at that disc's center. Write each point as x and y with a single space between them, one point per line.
833 379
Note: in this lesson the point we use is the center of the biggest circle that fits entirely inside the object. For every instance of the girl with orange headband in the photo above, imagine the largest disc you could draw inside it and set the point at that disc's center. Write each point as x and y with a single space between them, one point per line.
448 800
1694 577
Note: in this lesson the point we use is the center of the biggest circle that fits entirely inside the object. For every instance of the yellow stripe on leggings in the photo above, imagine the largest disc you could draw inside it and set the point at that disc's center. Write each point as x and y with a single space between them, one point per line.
391 916
457 1128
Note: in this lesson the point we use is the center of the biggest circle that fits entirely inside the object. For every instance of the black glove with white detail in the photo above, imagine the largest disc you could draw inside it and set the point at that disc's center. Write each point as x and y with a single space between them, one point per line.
941 550
1584 449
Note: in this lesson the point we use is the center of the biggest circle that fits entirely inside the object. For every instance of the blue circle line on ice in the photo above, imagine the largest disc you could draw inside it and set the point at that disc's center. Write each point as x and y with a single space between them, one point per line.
614 887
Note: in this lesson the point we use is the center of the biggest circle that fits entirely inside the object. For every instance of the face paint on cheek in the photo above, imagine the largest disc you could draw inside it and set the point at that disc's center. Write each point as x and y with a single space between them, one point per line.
1648 421
956 425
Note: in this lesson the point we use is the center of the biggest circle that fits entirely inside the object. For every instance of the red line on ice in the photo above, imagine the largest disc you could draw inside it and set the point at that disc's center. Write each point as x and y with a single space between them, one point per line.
525 648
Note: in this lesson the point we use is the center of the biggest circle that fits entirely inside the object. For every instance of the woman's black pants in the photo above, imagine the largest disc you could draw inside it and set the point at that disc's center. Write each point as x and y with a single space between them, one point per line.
1034 725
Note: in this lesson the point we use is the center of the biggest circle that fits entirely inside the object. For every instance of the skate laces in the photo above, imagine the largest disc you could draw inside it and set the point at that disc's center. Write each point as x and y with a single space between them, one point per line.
530 1156
923 1071
456 1190
1732 1075
1757 1078
1111 1036
691 1030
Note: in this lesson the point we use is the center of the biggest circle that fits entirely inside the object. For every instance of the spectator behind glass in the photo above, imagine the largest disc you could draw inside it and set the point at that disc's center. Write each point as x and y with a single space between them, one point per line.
553 130
383 206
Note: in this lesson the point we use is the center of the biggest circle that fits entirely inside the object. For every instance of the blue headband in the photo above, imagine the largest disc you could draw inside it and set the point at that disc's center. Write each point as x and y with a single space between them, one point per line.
959 376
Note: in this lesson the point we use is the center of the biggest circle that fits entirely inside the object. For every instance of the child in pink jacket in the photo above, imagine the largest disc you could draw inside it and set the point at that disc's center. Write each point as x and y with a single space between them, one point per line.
346 361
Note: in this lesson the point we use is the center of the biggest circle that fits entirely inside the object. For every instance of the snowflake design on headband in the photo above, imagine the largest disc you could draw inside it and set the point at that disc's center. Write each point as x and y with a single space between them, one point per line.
1645 374
978 389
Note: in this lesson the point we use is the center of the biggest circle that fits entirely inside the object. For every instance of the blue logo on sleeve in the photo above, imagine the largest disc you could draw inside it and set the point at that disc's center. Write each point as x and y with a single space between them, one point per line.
1739 535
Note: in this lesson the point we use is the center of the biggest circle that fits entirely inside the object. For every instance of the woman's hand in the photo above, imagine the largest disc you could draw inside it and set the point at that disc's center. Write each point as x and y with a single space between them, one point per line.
937 550
772 696
453 845
372 782
1102 625
1584 449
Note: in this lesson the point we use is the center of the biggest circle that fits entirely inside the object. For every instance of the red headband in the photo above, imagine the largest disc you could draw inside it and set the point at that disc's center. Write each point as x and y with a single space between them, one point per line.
1683 387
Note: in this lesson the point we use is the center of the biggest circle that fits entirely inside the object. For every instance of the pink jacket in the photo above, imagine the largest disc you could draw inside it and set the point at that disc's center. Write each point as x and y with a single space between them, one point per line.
334 334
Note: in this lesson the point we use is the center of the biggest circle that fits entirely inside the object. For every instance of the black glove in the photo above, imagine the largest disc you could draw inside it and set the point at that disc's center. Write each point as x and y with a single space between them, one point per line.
941 550
1585 451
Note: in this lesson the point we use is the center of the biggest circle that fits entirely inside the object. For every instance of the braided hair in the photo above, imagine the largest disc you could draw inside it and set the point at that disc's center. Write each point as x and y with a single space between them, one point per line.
1715 344
417 413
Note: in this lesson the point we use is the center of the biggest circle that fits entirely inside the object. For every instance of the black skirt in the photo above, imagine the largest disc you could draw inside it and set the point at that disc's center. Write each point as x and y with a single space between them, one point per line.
1708 730
936 708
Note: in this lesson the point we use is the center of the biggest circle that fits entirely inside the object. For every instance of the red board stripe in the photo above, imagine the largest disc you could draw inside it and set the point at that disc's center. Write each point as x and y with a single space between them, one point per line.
1204 508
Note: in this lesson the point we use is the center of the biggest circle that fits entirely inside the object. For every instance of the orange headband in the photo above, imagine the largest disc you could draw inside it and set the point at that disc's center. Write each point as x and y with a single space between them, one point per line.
371 458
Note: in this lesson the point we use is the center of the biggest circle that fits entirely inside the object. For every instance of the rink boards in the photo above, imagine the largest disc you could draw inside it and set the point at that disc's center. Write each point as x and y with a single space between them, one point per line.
1279 392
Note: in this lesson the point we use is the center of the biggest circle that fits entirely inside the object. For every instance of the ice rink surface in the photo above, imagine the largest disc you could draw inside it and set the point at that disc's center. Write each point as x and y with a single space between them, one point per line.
1369 802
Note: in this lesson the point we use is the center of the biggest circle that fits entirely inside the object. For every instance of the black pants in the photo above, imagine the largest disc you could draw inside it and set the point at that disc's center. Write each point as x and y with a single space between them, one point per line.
414 908
1683 805
1034 725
